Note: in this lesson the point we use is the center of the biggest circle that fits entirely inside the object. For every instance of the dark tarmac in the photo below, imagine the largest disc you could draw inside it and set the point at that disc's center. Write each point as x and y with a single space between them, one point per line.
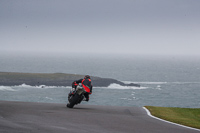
26 117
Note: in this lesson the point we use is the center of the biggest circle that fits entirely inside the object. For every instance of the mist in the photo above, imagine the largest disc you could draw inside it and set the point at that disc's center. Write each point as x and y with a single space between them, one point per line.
154 27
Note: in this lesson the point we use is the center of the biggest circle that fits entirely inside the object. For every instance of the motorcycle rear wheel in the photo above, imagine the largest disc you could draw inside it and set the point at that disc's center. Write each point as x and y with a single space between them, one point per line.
73 101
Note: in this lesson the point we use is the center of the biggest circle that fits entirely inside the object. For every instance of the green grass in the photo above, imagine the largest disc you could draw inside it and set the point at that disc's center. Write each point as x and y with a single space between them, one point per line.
184 116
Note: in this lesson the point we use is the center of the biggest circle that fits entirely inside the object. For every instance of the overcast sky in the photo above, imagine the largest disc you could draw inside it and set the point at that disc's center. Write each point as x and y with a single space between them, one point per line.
101 26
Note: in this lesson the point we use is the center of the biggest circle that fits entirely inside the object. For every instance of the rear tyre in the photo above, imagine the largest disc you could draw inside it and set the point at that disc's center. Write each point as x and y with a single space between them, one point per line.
73 101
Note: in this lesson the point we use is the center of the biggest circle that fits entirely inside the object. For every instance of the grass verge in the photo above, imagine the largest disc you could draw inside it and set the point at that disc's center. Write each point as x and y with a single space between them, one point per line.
184 116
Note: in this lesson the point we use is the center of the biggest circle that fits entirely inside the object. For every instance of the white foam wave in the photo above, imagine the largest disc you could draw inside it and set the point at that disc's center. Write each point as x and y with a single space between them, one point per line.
24 85
126 99
117 86
40 86
185 82
49 98
47 87
129 82
6 88
159 83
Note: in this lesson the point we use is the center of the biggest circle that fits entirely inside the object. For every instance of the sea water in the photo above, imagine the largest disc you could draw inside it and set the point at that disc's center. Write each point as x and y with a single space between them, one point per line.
165 81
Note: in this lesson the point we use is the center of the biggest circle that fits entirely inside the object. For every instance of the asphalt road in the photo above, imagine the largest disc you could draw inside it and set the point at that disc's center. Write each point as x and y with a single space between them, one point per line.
25 117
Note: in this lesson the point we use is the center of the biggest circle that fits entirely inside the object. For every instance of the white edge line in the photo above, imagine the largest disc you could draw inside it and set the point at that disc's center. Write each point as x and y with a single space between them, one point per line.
148 113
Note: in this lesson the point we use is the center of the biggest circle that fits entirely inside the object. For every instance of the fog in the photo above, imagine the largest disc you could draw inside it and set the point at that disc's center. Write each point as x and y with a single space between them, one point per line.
139 27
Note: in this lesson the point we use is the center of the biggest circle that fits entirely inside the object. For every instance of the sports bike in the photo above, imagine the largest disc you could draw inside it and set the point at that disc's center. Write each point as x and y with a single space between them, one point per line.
76 96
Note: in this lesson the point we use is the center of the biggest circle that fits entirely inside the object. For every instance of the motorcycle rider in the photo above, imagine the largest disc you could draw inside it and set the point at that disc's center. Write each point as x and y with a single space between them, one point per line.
86 84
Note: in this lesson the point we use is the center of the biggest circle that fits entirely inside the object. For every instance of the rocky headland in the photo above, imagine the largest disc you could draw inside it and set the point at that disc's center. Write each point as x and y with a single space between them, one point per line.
52 79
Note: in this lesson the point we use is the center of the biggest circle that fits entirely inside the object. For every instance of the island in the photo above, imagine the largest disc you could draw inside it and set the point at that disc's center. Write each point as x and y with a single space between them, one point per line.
53 79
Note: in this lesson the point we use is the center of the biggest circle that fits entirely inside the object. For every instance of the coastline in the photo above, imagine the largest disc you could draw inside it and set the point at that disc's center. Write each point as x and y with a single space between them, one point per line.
52 79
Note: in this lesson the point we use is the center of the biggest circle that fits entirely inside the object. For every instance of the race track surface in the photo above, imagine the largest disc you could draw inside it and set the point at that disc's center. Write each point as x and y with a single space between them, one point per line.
25 117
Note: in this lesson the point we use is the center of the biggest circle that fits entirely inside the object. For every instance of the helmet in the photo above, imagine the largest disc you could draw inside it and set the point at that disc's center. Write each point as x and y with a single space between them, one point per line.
87 76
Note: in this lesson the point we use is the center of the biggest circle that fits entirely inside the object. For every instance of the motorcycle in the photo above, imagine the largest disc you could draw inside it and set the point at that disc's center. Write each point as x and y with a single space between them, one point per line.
76 96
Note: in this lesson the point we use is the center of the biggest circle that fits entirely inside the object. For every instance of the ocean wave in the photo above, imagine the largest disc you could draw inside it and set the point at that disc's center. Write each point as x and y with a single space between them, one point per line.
118 86
129 82
6 88
25 86
40 86
48 98
184 82
159 83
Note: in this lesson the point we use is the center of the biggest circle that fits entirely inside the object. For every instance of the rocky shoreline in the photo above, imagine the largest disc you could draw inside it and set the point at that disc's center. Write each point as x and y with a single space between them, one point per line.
52 79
